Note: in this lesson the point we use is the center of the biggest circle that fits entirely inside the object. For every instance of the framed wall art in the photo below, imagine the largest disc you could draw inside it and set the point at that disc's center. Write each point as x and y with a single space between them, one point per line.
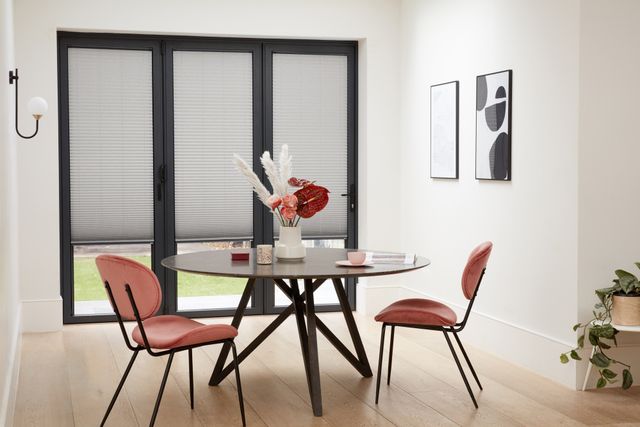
444 130
493 126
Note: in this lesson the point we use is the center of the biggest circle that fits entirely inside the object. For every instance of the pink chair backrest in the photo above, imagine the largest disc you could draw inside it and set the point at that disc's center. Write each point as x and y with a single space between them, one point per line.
473 270
118 272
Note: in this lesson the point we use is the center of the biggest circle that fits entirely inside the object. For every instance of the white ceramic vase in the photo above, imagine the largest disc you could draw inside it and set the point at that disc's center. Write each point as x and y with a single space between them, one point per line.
289 246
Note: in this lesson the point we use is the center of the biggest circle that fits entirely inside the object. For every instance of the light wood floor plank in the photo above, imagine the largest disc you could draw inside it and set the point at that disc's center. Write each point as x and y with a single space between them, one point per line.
401 409
93 377
67 379
340 406
272 398
214 406
44 396
509 402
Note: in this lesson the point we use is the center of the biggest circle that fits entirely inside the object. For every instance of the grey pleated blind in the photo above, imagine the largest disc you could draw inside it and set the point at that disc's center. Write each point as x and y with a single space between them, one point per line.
213 116
111 145
310 114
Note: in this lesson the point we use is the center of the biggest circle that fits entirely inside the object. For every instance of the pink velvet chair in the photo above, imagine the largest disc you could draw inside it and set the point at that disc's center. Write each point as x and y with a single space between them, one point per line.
431 315
134 293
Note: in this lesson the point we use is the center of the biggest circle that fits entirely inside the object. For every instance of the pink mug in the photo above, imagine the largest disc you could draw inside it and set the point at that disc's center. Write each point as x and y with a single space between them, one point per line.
356 258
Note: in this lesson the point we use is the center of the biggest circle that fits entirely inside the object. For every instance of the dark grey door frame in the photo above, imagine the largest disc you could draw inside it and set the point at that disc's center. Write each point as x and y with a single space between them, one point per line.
162 48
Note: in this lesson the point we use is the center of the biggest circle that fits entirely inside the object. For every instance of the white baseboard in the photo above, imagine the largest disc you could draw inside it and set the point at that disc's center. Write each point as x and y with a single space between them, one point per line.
517 344
8 400
42 315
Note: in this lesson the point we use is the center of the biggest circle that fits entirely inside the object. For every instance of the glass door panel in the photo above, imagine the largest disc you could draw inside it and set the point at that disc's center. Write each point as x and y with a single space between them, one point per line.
197 292
213 97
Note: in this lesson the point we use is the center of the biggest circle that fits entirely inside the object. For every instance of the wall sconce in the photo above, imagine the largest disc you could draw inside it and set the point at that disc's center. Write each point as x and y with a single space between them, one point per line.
37 106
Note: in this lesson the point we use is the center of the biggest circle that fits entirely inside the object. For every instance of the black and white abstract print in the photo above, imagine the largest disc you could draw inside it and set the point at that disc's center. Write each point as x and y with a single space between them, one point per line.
493 126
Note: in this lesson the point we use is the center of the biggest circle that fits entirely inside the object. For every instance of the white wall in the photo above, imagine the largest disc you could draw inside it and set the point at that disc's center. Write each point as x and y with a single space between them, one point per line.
373 23
9 300
609 152
527 302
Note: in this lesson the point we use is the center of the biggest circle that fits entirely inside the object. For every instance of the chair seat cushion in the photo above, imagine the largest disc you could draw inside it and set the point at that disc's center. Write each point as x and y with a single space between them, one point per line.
164 332
418 311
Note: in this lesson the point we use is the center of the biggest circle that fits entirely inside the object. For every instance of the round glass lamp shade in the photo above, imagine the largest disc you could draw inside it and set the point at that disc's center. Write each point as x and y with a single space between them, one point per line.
38 107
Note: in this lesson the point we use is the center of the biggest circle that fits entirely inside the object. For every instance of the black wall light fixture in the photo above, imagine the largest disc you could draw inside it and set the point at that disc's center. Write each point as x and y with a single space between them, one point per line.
37 106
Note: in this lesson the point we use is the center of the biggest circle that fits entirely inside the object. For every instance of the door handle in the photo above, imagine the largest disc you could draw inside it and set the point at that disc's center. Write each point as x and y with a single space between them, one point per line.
352 197
161 180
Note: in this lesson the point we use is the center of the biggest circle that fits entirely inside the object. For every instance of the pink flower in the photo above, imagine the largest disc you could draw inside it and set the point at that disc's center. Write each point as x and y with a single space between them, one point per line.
274 201
288 213
290 201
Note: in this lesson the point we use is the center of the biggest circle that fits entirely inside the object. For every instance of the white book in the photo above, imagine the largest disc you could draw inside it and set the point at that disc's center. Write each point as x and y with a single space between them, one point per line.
389 258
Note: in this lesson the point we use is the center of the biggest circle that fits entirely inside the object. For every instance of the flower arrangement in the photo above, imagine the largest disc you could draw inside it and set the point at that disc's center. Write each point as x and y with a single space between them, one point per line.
288 207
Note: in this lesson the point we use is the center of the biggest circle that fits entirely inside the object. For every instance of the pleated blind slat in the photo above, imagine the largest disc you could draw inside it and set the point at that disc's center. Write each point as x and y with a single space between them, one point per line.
213 118
310 114
110 144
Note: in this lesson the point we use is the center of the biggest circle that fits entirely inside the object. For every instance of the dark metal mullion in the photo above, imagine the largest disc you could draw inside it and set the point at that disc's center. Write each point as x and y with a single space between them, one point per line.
269 306
170 276
159 210
352 163
66 249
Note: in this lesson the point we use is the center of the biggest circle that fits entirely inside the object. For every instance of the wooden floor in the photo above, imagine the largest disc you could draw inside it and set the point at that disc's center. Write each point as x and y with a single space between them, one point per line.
67 379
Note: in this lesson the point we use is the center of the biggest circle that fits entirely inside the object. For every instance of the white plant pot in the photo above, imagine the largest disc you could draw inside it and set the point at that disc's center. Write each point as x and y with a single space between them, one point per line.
289 246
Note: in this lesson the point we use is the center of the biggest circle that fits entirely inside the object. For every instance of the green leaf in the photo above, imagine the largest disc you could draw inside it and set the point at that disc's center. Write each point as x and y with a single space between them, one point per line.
564 358
603 331
601 382
581 341
600 360
593 339
576 326
627 379
605 293
575 355
628 282
604 345
608 374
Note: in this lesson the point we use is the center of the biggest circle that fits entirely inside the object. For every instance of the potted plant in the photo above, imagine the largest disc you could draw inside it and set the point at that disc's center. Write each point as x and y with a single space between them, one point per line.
288 207
619 305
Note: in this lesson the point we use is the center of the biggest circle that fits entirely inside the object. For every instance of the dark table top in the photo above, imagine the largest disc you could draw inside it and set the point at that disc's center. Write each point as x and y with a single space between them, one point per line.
320 263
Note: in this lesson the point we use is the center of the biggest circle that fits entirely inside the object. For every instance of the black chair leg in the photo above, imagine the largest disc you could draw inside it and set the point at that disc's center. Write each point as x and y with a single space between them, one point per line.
162 385
393 333
464 353
464 377
115 395
384 327
191 376
238 383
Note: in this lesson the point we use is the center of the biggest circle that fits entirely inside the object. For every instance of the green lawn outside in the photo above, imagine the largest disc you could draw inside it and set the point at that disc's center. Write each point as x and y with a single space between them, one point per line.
88 286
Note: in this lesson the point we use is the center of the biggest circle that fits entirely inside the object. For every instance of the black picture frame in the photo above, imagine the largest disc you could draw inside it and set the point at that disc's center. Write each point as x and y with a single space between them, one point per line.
435 156
493 126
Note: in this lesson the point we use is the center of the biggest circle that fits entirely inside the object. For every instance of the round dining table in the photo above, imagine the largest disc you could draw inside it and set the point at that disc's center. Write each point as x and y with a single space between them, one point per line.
317 267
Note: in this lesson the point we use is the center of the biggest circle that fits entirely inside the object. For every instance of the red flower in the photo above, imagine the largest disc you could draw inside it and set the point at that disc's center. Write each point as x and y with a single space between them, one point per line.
274 202
311 200
288 213
299 182
290 201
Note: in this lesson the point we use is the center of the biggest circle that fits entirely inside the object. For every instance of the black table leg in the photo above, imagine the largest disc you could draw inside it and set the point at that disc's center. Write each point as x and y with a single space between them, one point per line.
298 304
353 328
314 365
237 317
267 331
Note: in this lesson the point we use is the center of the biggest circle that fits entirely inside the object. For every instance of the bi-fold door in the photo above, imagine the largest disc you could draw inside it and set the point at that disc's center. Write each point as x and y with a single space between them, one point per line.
148 127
